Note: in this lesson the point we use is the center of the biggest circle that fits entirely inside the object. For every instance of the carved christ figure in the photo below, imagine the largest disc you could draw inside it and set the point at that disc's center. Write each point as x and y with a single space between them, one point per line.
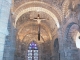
38 19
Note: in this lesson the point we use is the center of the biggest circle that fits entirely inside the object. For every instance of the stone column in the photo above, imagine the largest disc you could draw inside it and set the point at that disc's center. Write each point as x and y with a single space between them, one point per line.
4 16
61 44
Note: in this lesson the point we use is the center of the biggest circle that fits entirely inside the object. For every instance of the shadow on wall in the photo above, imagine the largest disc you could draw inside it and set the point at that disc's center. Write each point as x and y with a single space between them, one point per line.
56 49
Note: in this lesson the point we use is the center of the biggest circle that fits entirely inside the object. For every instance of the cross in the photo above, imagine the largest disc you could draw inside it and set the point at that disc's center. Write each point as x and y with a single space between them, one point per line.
38 19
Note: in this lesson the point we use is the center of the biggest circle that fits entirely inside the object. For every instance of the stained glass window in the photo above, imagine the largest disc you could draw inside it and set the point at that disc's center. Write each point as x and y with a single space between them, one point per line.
32 51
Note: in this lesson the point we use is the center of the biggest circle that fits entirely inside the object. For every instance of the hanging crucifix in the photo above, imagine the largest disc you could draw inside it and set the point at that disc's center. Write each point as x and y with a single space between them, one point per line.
38 19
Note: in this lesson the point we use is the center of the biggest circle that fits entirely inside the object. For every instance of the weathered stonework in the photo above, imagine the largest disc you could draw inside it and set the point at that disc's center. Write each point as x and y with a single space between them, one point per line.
58 32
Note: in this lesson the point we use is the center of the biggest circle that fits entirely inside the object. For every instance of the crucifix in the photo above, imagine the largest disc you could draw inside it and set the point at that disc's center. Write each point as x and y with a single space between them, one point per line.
38 19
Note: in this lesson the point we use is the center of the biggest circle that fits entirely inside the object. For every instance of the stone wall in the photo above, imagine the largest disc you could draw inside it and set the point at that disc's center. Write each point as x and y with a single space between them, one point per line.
4 16
9 46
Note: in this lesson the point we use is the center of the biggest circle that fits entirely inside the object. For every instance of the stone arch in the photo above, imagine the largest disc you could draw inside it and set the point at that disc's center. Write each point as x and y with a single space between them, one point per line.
54 12
70 45
73 31
72 35
65 8
68 28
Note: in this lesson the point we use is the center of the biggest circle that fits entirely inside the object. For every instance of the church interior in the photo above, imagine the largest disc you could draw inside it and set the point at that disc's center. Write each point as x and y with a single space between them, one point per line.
40 30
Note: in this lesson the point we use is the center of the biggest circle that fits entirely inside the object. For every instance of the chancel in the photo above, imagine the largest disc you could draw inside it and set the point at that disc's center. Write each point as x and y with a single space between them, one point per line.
39 29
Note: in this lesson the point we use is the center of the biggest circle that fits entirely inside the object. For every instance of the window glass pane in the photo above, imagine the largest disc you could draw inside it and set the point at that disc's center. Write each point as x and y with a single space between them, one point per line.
29 54
35 48
29 59
33 51
29 50
33 45
35 58
35 54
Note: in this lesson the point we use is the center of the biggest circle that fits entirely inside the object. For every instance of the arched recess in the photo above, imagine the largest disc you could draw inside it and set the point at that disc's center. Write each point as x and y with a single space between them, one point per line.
54 12
71 32
70 44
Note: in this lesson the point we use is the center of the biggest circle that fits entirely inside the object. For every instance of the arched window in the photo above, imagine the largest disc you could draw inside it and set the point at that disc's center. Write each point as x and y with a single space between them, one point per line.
32 51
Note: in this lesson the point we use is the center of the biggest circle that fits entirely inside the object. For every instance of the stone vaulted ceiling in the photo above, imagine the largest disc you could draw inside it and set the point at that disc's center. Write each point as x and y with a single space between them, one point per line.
27 27
24 11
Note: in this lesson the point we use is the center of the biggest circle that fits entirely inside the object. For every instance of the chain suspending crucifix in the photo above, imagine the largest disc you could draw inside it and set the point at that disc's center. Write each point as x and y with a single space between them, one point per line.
38 19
